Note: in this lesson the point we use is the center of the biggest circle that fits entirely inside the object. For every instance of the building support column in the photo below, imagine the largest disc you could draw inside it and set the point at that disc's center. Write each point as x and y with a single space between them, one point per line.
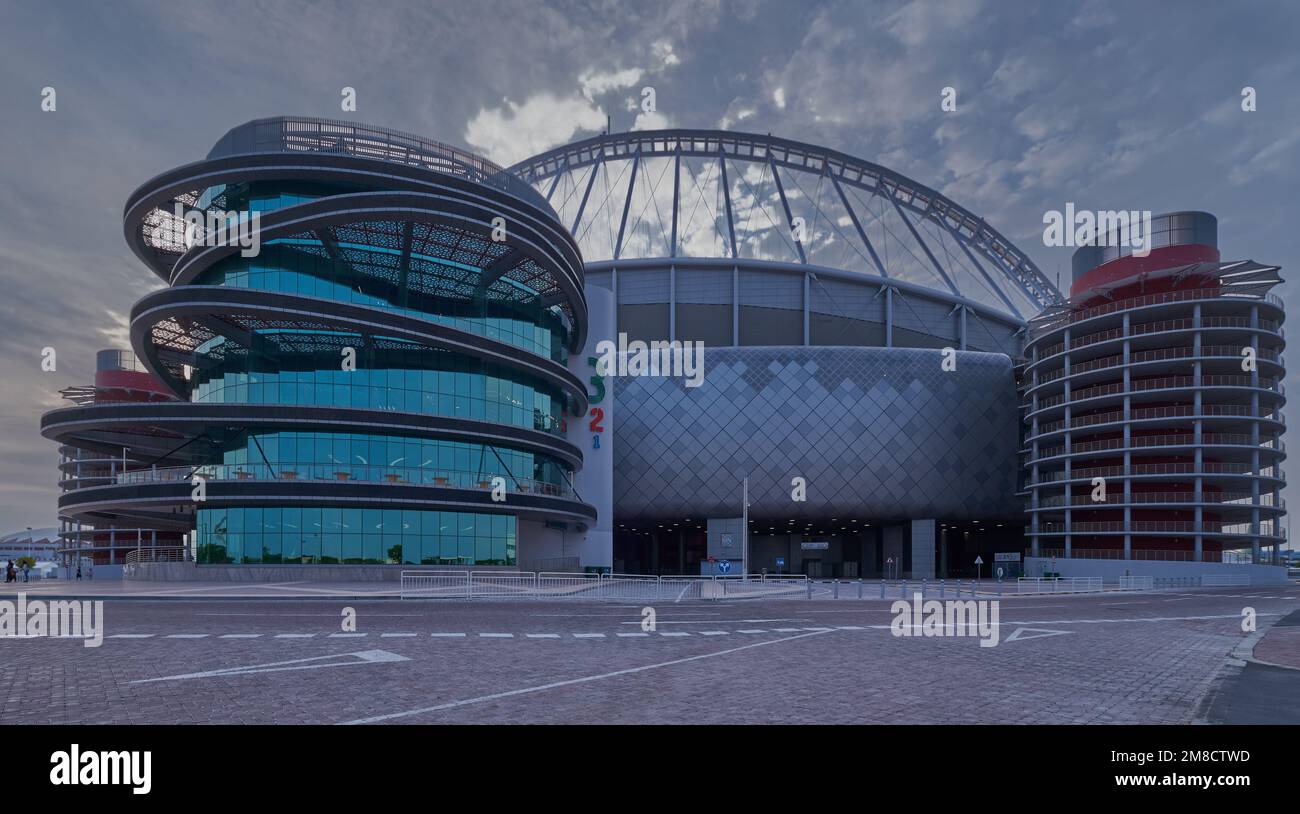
923 549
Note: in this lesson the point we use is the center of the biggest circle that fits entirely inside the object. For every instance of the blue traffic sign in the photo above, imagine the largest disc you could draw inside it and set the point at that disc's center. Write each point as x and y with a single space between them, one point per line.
724 565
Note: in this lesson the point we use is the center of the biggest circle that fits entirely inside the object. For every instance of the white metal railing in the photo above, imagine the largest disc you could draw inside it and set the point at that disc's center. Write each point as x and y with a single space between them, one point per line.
1137 583
435 584
398 475
500 585
1224 580
1057 585
133 559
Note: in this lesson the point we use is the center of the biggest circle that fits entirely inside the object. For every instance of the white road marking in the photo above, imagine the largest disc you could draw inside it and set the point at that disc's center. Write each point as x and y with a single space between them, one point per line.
187 635
589 635
360 657
239 635
570 682
496 635
1018 635
447 635
674 633
633 635
756 630
663 621
1103 621
543 635
715 632
294 635
348 635
397 635
131 636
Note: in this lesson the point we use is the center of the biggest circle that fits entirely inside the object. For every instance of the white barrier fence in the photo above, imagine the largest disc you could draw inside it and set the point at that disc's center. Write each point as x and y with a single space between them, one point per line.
1058 585
1137 583
499 585
1224 580
546 585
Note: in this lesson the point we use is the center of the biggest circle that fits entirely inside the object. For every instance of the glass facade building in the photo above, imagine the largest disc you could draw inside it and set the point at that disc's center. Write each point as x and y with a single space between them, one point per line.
381 380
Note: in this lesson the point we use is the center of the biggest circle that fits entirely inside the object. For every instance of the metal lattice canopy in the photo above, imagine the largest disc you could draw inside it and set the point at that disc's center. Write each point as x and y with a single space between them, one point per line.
704 193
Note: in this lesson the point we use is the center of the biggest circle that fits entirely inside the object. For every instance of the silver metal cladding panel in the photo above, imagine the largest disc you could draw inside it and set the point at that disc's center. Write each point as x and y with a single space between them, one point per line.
876 432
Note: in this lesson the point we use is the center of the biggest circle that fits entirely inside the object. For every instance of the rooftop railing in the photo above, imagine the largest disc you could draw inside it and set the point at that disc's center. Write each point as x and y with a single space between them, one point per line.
1145 300
307 134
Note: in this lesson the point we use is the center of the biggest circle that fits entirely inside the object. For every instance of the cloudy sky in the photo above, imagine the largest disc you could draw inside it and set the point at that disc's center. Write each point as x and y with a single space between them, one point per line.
1107 105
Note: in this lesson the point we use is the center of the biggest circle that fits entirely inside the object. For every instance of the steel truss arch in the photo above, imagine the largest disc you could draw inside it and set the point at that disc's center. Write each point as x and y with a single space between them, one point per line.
972 232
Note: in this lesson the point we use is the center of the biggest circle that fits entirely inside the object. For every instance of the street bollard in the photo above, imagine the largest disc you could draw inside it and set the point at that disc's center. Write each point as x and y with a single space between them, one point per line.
835 590
902 590
809 584
923 589
943 588
859 587
882 588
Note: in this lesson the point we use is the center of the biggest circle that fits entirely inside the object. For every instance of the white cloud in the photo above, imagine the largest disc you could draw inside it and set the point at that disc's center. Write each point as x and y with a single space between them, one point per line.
654 120
1094 15
726 121
663 52
916 23
594 84
778 97
516 131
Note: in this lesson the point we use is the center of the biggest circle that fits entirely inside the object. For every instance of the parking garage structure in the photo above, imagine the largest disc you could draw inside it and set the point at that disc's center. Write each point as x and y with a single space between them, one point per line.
1153 404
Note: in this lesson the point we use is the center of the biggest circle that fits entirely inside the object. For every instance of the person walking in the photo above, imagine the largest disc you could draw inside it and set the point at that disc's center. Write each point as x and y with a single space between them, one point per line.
10 576
27 570
78 568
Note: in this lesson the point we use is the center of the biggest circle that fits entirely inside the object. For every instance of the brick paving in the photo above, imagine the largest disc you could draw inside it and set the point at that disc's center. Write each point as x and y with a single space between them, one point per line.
1281 644
1136 658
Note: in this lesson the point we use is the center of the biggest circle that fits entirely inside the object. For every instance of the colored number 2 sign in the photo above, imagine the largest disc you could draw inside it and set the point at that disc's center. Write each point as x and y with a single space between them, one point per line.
597 416
597 413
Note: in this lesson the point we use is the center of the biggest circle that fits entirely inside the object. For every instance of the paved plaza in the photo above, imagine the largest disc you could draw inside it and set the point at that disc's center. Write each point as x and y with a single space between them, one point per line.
1159 657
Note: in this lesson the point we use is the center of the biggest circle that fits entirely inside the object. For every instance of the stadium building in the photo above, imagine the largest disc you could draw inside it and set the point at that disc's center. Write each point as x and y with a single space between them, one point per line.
406 369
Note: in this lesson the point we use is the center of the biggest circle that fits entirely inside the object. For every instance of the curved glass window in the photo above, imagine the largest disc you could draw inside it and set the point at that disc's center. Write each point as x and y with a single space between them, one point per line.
264 196
325 535
437 290
377 458
286 367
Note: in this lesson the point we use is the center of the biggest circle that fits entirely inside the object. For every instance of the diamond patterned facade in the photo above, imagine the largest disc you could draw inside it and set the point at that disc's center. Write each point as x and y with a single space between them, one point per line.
881 432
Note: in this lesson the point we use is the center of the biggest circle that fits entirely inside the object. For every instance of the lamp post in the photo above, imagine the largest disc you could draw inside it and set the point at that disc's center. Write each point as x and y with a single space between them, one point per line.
744 531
